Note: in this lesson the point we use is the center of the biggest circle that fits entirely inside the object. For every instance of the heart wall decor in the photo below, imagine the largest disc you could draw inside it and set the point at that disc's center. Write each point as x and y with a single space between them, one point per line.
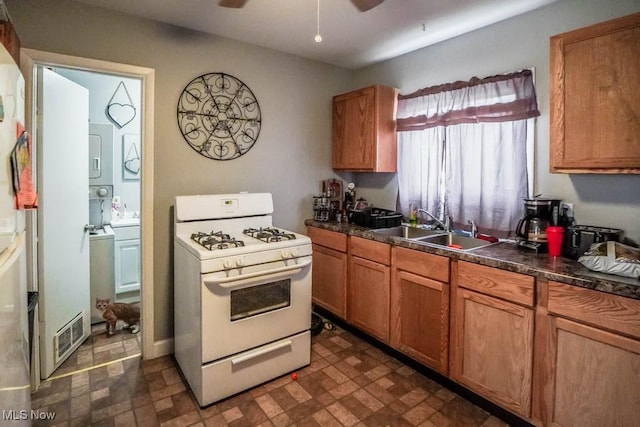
131 161
121 114
120 109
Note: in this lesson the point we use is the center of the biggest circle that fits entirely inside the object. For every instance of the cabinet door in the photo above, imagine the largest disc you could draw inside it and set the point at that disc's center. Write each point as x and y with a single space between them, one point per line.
594 94
328 239
9 39
127 265
364 129
492 349
368 296
596 379
100 154
353 130
420 319
329 278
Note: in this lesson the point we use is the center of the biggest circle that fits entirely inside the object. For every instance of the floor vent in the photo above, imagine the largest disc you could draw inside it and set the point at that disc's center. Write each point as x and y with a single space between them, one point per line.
69 335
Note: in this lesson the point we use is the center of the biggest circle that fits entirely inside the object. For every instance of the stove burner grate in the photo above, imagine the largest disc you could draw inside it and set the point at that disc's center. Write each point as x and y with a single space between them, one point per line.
216 240
269 234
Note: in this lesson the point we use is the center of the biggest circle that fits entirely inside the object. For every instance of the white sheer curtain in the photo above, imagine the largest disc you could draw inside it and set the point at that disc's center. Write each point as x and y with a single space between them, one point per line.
463 146
487 174
420 157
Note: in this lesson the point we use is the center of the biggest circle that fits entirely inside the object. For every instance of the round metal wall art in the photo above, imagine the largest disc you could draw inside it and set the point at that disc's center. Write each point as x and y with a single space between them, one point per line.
219 116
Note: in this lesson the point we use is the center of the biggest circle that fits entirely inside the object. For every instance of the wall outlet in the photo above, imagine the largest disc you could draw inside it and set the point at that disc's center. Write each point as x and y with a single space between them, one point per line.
567 209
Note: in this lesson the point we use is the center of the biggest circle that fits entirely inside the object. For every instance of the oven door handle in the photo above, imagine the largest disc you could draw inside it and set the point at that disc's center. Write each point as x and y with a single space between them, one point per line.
261 352
242 279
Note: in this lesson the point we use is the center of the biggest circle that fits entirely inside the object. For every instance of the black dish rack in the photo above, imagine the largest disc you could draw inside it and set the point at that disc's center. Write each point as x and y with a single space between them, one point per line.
375 218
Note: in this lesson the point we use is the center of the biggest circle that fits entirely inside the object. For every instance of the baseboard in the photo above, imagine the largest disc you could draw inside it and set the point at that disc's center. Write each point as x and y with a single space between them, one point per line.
161 348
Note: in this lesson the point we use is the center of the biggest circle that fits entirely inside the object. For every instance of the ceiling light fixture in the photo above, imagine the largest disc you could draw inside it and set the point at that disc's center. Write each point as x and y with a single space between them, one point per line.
318 37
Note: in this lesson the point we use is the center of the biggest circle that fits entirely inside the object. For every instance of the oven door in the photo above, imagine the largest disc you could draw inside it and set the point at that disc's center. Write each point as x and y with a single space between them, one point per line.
260 305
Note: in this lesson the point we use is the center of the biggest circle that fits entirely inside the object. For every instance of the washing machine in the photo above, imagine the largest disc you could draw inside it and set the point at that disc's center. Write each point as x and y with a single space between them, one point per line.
102 276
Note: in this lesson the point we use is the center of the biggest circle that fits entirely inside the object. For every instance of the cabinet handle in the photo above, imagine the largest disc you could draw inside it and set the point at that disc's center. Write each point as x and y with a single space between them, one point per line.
243 279
260 352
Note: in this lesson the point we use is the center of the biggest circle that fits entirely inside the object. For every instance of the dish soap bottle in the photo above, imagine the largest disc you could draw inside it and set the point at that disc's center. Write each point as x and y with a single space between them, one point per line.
413 215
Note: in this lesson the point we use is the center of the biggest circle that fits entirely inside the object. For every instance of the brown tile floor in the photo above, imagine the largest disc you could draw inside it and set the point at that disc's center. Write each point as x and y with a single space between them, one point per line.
349 383
100 348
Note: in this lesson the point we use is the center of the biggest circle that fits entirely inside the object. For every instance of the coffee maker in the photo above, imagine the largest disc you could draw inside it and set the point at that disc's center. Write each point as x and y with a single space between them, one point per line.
531 230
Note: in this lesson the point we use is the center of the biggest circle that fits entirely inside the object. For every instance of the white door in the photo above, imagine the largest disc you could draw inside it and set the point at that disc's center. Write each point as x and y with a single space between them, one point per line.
63 243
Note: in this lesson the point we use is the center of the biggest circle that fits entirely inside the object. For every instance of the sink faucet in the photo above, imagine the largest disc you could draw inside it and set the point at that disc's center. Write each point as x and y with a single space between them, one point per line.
474 228
446 226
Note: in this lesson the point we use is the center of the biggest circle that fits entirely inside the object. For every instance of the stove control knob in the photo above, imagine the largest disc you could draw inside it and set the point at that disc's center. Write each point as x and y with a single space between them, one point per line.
239 262
226 264
294 252
284 254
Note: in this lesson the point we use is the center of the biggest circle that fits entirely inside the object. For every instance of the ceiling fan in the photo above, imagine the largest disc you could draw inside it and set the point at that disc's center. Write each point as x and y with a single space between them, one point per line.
362 5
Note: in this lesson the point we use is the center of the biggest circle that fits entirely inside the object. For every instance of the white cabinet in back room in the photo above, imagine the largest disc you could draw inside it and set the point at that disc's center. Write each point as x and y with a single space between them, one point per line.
127 258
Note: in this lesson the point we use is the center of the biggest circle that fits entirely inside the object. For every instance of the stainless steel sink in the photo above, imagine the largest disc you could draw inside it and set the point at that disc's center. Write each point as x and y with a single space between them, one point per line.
435 237
455 241
407 232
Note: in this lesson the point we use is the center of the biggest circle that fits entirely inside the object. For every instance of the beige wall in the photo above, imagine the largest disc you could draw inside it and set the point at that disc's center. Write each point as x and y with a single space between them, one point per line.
294 96
521 42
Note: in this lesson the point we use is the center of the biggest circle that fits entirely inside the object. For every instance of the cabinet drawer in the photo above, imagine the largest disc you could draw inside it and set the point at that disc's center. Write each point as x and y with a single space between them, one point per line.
127 233
328 239
421 263
371 250
597 308
507 285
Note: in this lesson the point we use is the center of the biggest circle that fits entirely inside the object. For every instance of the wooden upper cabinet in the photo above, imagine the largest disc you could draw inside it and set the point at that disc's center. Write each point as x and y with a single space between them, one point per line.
364 130
595 98
9 39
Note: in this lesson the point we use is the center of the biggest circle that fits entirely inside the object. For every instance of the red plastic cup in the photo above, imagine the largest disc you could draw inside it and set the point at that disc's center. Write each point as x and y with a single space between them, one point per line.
555 236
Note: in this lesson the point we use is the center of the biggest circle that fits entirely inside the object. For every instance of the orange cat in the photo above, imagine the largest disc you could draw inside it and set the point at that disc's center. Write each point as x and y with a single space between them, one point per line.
112 312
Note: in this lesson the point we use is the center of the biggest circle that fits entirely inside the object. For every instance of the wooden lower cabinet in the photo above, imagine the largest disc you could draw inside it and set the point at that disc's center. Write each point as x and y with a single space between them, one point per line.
369 286
420 307
492 339
329 272
475 324
329 276
590 372
596 377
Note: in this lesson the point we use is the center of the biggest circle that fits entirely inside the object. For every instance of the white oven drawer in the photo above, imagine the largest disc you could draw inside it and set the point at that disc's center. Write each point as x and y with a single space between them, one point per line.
239 372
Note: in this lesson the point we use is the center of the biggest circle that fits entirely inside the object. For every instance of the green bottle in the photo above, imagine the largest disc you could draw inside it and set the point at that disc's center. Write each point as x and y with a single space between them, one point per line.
413 215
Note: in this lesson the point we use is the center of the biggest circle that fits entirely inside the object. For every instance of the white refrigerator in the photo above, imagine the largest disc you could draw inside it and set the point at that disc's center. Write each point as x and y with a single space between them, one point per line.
15 389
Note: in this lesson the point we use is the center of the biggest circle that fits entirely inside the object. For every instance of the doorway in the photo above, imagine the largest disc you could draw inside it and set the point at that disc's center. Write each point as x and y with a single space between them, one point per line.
30 60
114 163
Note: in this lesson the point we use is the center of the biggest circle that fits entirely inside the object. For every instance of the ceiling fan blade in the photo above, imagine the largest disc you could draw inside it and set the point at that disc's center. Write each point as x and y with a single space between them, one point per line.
364 5
236 4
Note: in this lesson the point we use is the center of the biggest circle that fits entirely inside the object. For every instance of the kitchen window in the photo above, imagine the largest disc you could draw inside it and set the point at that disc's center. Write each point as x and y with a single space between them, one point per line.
465 150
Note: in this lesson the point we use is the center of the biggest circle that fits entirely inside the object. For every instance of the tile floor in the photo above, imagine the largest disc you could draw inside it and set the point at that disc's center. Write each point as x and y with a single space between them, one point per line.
348 383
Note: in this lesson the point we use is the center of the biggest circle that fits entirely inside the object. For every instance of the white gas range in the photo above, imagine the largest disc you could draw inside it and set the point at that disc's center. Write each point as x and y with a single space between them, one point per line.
242 294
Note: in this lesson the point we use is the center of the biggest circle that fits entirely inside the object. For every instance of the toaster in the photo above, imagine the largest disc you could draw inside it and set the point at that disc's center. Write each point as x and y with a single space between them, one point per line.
579 238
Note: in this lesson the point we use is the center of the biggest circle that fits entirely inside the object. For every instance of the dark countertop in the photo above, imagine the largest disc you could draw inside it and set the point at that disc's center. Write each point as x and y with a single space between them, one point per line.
507 257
